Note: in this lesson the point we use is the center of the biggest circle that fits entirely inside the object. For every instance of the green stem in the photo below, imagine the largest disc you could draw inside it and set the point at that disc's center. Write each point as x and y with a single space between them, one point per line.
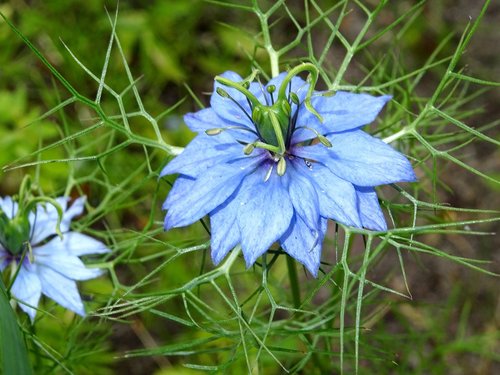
274 58
268 45
294 281
295 286
406 130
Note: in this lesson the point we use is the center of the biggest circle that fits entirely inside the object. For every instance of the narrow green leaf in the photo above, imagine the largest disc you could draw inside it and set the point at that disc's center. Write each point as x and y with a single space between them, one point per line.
13 352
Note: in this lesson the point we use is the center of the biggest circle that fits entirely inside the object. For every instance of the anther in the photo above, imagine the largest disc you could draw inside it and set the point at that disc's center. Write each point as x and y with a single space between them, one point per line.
222 92
217 131
248 149
214 131
323 140
295 98
281 168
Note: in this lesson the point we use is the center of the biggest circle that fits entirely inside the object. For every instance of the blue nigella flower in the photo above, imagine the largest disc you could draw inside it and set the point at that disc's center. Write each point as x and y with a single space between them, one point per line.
272 163
48 264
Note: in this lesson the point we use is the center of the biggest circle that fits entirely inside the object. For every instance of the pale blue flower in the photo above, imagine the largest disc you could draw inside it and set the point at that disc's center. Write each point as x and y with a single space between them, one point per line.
54 266
262 186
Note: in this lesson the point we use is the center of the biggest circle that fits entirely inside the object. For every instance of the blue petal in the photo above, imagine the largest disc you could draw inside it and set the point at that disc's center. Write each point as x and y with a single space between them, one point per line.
304 244
67 265
181 185
202 153
61 289
343 111
44 220
8 206
72 243
207 119
337 197
203 120
27 289
225 234
227 109
367 161
206 193
264 215
304 197
372 216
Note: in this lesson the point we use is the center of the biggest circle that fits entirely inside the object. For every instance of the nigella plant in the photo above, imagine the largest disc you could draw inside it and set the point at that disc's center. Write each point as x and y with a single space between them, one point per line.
42 253
272 163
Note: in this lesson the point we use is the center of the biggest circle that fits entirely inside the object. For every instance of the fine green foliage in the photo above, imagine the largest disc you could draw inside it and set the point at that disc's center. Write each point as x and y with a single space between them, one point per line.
102 128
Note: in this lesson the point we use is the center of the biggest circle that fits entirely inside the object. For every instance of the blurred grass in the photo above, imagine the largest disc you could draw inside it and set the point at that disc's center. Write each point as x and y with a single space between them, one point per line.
173 46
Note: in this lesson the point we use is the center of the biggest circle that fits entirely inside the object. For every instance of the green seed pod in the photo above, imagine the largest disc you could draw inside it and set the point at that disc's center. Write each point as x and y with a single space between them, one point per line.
272 121
14 233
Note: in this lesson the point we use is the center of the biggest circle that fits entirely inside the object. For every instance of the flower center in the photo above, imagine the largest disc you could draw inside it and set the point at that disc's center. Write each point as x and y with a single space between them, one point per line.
274 123
14 233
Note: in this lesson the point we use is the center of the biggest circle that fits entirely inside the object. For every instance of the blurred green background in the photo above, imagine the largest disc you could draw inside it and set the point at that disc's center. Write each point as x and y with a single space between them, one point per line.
177 47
